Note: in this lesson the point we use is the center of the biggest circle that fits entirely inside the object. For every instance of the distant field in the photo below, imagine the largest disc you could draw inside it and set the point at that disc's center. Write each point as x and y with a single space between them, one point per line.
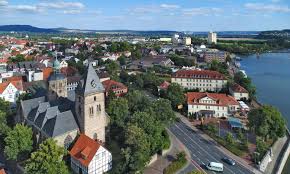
243 39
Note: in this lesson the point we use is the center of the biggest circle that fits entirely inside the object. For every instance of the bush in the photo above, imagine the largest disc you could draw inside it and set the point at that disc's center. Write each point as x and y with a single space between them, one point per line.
176 164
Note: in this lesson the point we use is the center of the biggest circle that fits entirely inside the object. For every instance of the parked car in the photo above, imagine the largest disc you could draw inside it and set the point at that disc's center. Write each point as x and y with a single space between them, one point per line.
229 161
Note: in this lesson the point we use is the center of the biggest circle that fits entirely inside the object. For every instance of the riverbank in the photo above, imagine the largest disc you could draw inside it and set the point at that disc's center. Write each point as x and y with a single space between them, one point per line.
270 74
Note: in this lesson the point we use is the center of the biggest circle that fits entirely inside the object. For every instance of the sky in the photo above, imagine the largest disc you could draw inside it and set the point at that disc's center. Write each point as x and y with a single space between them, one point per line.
178 15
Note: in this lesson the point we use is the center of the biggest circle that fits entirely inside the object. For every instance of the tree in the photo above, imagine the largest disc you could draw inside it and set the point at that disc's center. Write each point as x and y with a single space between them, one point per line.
136 54
230 138
17 141
163 111
212 129
241 136
137 101
175 95
111 67
47 159
137 141
245 82
267 121
4 128
118 111
122 60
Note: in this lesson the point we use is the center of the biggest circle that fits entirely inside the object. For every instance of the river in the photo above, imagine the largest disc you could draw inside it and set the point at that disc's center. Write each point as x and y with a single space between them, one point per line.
270 73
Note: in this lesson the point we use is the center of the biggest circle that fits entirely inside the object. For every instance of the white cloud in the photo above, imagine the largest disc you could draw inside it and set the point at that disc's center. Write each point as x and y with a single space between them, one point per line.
3 2
72 11
267 7
202 11
25 8
62 5
169 6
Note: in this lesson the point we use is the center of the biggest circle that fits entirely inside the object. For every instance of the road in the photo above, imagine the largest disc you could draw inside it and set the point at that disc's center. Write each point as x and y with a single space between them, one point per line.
202 151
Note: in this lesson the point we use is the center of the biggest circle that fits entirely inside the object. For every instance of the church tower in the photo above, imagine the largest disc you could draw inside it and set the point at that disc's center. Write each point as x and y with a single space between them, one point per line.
90 106
57 83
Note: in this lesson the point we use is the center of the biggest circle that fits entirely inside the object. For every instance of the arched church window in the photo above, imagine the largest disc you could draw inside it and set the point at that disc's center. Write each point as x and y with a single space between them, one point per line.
100 109
95 98
68 140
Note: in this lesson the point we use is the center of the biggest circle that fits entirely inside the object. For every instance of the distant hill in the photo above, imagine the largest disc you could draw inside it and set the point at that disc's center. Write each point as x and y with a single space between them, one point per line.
26 28
275 34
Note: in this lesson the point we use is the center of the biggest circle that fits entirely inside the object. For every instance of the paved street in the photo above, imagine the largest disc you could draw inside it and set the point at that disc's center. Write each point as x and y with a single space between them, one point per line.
202 150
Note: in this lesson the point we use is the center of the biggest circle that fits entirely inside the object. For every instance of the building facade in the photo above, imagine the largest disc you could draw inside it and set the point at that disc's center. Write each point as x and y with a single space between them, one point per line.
212 38
89 157
211 104
202 80
238 92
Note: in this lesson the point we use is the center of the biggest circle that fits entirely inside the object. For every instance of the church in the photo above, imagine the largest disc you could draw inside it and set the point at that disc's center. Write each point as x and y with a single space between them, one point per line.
62 115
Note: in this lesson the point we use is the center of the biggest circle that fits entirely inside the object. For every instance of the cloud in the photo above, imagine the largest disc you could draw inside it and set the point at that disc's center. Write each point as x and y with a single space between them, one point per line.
267 8
169 6
3 2
25 8
72 11
62 5
202 11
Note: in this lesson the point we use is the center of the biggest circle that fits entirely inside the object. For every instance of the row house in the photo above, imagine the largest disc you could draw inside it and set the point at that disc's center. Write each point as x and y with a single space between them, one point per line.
202 80
211 104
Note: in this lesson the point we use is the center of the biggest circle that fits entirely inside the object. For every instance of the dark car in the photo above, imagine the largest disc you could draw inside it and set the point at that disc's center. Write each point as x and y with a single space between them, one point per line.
229 161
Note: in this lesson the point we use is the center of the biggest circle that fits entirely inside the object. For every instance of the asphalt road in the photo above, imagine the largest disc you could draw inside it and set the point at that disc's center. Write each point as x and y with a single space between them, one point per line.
202 151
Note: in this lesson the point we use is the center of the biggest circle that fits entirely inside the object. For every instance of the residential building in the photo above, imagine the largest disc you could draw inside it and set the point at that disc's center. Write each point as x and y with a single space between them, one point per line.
63 64
212 38
118 88
89 157
209 56
238 92
148 62
202 80
211 104
10 91
186 40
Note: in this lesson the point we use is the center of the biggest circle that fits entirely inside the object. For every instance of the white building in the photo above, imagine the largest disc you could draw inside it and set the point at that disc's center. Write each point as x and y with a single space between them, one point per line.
89 157
203 80
212 38
63 64
211 104
10 91
187 40
34 75
238 92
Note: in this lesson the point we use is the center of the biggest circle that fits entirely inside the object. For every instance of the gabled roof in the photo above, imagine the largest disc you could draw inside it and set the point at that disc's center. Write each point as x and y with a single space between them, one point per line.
164 85
2 171
91 83
113 85
237 88
84 149
17 84
193 98
199 74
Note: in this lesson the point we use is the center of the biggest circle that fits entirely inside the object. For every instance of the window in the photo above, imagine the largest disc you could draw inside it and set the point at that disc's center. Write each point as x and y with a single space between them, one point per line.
95 98
91 111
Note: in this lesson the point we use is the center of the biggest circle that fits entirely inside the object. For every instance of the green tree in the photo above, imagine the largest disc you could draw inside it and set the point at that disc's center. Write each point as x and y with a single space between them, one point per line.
47 159
175 95
267 122
137 141
195 172
4 128
245 82
114 47
111 67
122 60
118 111
212 129
17 141
136 54
163 111
230 138
137 101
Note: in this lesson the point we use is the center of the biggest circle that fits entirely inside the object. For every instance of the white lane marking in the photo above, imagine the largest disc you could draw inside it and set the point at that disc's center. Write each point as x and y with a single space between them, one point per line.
201 147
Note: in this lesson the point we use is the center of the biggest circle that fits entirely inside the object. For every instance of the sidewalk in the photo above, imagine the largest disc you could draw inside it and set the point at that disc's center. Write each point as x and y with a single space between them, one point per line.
221 148
163 161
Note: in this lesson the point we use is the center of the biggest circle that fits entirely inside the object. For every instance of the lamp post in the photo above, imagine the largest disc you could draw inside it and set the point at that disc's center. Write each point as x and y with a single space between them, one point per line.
219 128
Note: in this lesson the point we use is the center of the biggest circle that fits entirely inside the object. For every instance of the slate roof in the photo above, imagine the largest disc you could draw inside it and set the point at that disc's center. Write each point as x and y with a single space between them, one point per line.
91 83
52 118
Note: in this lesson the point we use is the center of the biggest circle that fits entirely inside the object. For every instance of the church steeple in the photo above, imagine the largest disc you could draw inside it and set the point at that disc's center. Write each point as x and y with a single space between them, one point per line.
90 106
57 82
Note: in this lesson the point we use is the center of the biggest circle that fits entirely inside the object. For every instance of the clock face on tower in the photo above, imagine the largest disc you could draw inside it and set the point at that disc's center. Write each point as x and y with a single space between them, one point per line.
93 83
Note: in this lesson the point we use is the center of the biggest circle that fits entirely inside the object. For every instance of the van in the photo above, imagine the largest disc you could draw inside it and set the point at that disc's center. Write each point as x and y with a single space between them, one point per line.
217 167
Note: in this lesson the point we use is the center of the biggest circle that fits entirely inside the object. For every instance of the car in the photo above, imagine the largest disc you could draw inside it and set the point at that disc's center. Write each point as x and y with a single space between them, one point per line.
229 161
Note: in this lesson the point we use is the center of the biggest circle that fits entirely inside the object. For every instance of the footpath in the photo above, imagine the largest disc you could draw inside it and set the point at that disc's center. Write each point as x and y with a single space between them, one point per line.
221 148
164 160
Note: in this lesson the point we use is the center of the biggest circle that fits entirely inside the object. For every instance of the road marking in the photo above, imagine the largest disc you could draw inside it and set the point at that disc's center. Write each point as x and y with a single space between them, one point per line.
197 166
200 147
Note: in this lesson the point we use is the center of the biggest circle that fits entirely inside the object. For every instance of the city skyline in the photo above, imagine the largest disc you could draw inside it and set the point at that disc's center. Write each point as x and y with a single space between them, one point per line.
187 15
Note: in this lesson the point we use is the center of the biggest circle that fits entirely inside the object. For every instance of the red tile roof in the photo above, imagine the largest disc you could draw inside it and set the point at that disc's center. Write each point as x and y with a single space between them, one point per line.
238 88
113 85
84 149
221 99
199 74
68 71
164 85
17 84
2 171
46 72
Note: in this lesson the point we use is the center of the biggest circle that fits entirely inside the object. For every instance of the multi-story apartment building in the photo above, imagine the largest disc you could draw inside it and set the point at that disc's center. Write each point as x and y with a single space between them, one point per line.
211 104
203 80
212 38
209 56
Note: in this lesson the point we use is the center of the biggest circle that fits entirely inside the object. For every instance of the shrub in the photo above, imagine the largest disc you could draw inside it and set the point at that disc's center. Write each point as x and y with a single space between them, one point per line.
176 164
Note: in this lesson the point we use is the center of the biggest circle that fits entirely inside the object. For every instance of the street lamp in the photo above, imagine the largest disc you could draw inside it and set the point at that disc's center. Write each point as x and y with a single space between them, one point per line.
219 127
